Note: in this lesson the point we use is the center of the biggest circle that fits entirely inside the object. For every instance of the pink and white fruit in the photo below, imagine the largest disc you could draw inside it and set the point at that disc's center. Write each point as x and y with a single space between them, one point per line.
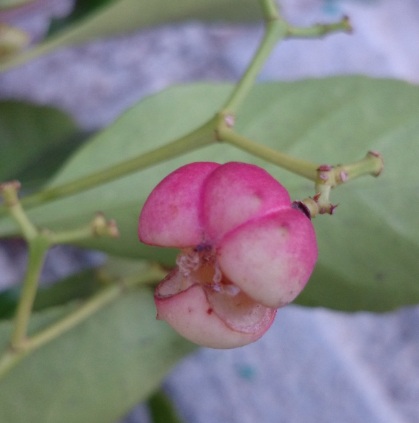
244 251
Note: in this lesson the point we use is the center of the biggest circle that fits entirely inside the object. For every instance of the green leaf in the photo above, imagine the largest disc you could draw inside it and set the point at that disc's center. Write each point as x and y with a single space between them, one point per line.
32 139
41 166
95 372
368 249
121 16
8 302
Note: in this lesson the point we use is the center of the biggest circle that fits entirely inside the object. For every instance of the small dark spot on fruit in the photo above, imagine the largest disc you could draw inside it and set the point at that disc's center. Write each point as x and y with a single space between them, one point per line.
210 310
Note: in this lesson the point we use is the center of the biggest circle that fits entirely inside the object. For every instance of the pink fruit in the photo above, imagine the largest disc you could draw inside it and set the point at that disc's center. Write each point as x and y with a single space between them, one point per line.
245 251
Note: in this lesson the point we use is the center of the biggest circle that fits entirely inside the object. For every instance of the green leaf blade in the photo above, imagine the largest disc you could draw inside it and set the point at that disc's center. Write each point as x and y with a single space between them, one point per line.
28 135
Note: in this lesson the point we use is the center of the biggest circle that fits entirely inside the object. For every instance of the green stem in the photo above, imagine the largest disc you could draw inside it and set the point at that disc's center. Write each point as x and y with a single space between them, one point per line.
269 9
319 30
275 31
10 193
200 137
99 226
372 164
298 166
70 236
8 360
29 231
38 247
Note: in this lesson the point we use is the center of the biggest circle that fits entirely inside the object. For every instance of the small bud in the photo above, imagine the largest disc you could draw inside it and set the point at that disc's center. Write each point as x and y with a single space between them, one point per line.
230 120
113 230
102 227
343 176
9 191
12 40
